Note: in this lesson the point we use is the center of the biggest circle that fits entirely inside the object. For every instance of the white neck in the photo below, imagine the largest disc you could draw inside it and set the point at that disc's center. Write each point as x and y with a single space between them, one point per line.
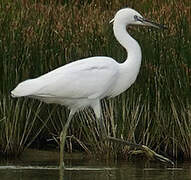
131 45
129 69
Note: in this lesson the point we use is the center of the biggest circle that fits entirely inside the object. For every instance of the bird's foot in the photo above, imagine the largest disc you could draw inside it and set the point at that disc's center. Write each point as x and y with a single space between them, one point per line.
156 156
150 154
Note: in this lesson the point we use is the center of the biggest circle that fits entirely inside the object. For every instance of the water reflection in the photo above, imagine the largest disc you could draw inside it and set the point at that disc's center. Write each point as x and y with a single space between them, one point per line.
81 169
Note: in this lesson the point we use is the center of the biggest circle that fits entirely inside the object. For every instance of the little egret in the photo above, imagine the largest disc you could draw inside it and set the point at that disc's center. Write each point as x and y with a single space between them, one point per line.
85 82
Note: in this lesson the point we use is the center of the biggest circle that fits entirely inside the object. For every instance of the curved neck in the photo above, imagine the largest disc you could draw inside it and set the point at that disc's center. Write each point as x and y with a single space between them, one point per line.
131 45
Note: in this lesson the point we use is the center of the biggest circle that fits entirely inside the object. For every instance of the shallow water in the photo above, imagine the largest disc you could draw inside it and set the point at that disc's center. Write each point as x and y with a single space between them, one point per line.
38 167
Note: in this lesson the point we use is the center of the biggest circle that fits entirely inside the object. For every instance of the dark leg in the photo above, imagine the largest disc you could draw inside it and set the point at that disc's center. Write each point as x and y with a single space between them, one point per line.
62 142
103 134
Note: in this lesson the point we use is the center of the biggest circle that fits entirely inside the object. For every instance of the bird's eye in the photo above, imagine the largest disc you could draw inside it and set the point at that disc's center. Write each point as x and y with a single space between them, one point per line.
136 18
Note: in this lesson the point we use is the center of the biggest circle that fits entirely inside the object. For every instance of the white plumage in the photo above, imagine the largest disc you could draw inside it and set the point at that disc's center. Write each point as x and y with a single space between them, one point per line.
85 82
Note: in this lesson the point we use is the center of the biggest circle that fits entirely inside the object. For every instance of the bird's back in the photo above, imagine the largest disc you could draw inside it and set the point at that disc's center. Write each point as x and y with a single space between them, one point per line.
88 79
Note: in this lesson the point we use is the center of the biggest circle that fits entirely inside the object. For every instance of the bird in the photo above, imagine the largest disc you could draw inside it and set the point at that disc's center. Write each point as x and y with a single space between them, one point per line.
85 82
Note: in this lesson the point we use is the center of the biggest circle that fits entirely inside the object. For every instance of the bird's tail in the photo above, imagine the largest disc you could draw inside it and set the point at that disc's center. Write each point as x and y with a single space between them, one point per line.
25 88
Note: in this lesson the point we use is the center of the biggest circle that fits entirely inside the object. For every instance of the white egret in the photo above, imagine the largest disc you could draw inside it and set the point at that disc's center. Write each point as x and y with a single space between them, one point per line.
85 82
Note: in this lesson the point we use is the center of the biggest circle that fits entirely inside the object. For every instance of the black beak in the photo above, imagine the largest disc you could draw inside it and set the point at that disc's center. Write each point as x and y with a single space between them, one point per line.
147 22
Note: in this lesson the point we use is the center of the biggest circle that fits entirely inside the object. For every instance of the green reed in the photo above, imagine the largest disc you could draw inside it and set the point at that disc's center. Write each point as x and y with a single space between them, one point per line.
36 37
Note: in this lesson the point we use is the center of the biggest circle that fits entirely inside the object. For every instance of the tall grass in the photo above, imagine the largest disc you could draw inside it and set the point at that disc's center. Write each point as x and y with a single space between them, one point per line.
18 125
38 36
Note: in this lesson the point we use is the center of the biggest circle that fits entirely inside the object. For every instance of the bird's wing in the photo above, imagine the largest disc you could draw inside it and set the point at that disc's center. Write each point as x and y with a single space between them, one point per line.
88 78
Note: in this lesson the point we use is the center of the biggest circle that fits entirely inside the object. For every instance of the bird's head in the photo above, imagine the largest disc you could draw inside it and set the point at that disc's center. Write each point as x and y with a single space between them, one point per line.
128 16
